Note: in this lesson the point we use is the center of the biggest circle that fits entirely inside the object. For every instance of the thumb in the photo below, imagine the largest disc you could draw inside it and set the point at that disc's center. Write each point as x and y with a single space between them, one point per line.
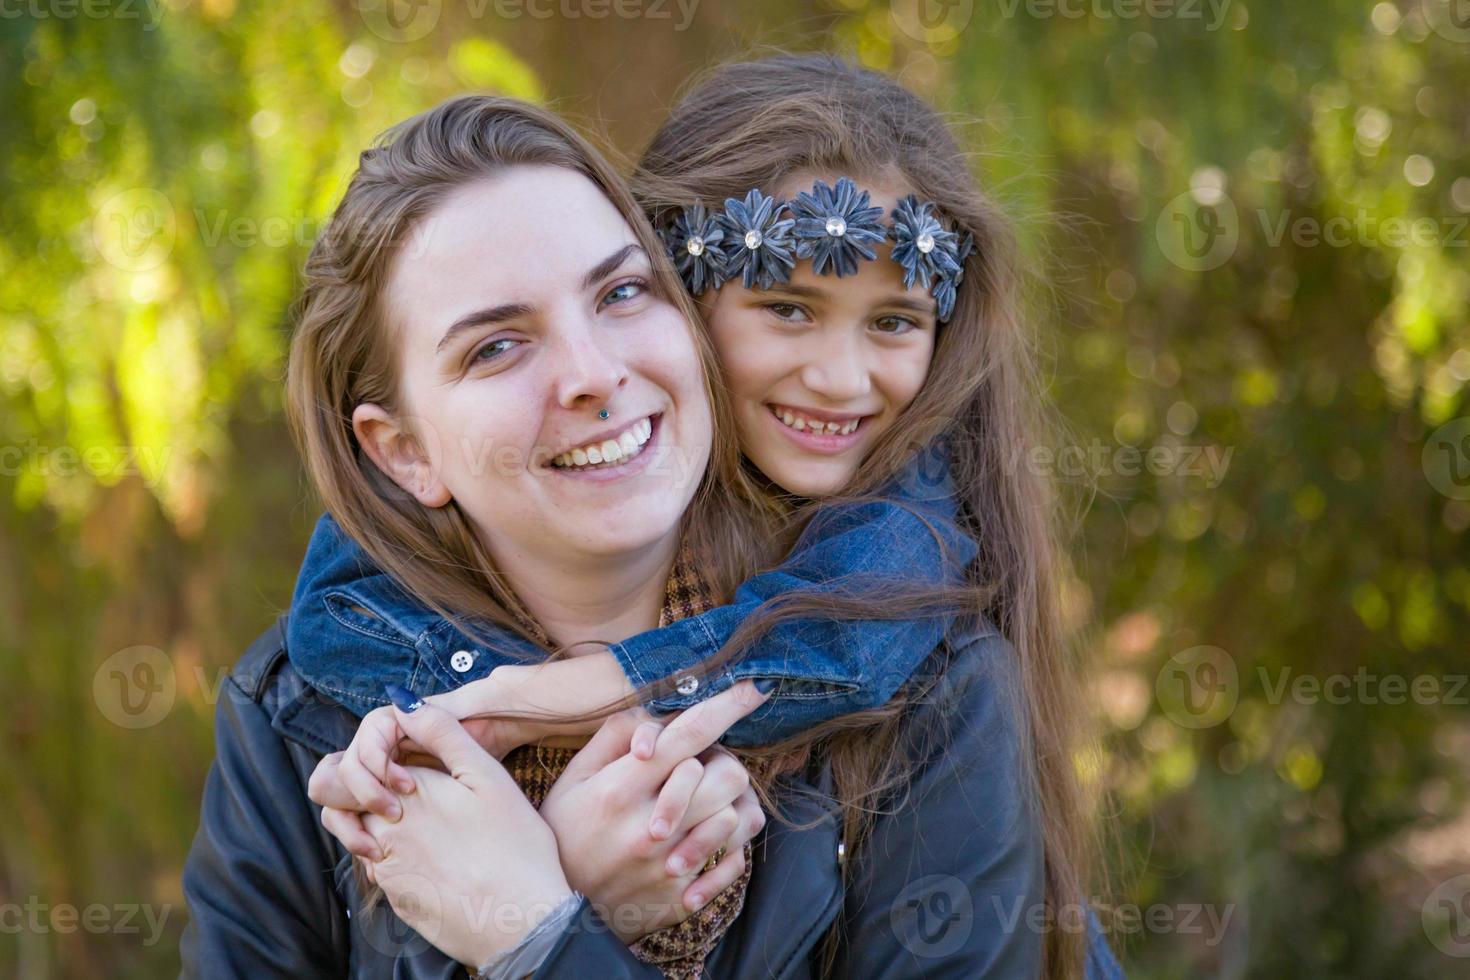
441 735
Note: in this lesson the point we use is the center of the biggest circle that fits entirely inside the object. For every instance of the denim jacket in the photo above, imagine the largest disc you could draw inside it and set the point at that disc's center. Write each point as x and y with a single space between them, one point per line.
353 628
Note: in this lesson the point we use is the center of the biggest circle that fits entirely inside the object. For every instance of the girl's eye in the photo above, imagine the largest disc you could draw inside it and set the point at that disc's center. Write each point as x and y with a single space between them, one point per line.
895 324
624 291
788 311
494 349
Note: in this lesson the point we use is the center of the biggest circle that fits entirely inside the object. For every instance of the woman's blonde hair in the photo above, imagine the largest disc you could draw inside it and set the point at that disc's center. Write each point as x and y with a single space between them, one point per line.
751 124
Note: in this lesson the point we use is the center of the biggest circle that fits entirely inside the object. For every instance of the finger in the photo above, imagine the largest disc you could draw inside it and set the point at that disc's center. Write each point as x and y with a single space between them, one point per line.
323 778
702 842
325 787
711 883
346 826
725 779
375 742
674 797
702 725
645 738
609 743
366 788
441 734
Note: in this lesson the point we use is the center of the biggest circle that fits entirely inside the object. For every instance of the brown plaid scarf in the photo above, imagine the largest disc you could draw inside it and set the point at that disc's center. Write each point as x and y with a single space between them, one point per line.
680 950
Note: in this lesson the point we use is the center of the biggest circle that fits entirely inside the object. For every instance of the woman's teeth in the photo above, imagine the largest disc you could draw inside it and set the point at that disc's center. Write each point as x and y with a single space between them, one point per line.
803 424
627 445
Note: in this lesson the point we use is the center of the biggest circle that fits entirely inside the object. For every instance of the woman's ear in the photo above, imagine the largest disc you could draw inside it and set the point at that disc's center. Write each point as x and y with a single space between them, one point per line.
399 454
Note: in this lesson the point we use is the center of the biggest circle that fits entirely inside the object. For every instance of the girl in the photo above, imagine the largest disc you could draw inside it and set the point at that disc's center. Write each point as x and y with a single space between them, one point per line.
885 335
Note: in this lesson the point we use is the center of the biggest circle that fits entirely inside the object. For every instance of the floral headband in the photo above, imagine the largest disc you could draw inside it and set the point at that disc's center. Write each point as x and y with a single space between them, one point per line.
760 239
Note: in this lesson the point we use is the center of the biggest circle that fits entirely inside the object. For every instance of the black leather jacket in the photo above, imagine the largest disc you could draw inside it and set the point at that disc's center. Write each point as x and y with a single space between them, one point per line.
946 887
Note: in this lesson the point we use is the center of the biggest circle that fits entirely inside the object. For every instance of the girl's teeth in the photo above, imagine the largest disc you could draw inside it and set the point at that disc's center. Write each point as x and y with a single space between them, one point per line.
579 458
627 443
822 428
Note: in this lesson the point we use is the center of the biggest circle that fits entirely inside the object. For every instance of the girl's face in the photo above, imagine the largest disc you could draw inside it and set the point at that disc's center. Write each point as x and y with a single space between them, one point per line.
523 308
820 366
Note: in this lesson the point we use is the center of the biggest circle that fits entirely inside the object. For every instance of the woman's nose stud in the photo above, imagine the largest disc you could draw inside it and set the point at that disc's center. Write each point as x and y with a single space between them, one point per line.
603 414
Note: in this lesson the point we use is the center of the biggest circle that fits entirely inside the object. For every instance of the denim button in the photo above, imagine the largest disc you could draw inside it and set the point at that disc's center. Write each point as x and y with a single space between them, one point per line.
462 660
687 685
841 854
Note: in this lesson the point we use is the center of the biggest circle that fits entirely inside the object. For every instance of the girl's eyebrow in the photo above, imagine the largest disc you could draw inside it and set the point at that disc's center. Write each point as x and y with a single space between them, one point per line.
900 300
509 311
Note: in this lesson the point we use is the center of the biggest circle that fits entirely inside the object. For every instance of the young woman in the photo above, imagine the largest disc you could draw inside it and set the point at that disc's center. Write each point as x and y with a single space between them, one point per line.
844 342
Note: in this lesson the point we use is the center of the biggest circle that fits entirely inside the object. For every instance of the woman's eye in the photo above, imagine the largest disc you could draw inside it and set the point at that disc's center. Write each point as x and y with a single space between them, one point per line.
494 349
787 311
895 324
623 292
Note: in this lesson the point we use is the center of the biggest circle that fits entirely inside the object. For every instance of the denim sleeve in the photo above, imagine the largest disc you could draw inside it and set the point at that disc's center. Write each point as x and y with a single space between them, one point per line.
908 537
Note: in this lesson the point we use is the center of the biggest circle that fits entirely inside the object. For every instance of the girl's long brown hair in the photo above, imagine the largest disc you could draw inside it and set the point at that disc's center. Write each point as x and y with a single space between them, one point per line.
751 124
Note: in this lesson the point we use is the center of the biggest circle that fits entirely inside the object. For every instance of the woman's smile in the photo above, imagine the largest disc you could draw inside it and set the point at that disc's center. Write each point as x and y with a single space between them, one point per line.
612 456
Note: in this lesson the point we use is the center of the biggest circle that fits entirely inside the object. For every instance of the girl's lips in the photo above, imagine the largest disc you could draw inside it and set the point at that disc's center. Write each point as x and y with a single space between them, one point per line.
628 467
826 444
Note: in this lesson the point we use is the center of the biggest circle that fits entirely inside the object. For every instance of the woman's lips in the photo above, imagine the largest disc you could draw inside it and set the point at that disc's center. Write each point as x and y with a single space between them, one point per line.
607 473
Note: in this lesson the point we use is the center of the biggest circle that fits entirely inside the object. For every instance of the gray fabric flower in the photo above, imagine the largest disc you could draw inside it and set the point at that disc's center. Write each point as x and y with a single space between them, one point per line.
947 288
694 240
835 225
758 241
921 245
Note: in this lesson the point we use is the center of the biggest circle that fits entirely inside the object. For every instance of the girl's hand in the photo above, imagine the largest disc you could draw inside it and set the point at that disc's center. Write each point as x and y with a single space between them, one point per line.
470 865
633 833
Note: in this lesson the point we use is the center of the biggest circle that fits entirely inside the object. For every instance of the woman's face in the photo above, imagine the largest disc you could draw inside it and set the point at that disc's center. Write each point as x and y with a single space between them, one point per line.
523 308
820 366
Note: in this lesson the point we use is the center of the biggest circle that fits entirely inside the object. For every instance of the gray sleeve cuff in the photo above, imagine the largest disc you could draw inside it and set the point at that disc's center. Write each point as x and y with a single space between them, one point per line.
526 957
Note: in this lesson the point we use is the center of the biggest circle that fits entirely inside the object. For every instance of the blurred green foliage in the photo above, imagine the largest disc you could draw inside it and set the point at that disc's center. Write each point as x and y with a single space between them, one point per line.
1251 220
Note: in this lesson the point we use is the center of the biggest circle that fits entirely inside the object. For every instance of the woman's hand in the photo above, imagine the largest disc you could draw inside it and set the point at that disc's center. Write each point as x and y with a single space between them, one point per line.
634 832
470 865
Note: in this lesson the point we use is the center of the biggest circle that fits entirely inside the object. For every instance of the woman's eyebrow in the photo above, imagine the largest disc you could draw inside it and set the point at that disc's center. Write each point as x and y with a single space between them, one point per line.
480 318
610 264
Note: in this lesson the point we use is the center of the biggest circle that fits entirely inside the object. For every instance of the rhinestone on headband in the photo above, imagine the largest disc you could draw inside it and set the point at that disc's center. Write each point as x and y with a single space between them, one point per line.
760 243
760 238
835 225
693 240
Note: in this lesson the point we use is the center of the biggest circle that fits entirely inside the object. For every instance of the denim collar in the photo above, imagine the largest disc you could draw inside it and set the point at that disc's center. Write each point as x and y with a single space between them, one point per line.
374 633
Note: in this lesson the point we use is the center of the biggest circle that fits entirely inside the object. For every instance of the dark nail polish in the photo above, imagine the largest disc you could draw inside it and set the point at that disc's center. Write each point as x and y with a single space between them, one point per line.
403 699
765 684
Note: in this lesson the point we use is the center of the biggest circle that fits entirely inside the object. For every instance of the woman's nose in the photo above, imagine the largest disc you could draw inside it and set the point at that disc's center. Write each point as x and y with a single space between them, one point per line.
838 372
589 370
